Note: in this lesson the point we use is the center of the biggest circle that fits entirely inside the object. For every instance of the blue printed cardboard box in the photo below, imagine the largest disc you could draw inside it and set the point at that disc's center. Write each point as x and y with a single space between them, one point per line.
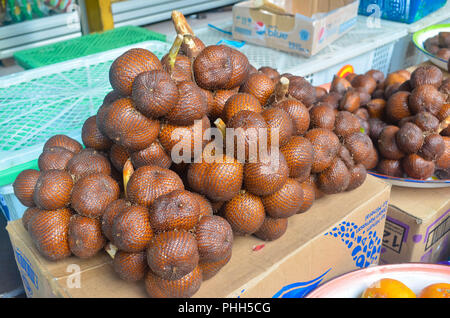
339 234
417 226
295 33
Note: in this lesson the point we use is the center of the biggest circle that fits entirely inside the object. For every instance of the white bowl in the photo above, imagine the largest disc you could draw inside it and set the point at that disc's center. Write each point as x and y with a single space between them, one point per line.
414 275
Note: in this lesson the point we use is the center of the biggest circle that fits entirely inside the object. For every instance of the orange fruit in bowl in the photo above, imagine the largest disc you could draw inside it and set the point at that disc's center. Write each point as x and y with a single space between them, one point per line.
388 288
439 290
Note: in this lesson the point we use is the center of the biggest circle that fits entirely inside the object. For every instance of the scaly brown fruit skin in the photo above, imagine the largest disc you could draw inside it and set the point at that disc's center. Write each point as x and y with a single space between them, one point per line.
247 125
149 182
417 167
376 107
358 175
224 179
131 229
64 142
239 102
111 211
191 105
212 67
351 101
433 147
298 112
184 287
93 193
155 94
302 90
130 267
346 124
24 185
244 212
426 75
210 269
85 236
271 72
279 124
176 210
335 178
426 98
443 162
390 168
409 138
272 229
88 161
365 82
214 237
360 145
286 201
387 144
377 75
325 145
125 125
427 122
259 85
172 254
153 155
28 214
265 177
49 233
340 85
299 155
53 190
309 195
322 116
397 107
92 137
54 158
126 67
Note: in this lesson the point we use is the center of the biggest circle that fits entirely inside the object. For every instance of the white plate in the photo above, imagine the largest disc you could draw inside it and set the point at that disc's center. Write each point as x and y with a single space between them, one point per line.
421 36
412 183
414 275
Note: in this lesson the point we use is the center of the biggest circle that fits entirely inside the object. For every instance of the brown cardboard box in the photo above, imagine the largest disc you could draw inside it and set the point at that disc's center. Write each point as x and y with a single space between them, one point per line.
305 34
417 226
340 233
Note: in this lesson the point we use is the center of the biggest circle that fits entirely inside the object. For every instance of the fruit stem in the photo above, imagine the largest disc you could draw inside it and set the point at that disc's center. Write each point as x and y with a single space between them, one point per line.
180 23
127 172
173 52
282 88
111 249
220 124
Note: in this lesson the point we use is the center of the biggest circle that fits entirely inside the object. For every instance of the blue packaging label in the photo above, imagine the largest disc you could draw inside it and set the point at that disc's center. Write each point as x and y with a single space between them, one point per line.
26 270
363 243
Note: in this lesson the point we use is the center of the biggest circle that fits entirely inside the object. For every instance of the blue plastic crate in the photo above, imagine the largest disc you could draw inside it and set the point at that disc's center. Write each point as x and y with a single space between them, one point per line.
405 11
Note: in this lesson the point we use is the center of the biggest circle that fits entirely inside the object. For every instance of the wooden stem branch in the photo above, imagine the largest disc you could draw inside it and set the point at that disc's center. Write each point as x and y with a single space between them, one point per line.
173 52
181 25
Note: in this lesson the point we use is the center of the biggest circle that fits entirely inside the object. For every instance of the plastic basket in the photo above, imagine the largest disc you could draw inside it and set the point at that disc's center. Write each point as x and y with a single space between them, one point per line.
85 45
405 11
56 99
362 47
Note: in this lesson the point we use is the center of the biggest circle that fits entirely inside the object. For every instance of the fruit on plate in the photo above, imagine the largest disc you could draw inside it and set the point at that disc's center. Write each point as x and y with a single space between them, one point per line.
388 288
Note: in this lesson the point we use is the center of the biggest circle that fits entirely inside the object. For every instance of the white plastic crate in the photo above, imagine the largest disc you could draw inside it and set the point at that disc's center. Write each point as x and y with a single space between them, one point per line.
56 99
362 47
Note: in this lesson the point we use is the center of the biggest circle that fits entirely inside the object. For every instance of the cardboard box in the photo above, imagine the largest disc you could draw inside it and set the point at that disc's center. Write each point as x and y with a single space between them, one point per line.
305 34
340 233
417 226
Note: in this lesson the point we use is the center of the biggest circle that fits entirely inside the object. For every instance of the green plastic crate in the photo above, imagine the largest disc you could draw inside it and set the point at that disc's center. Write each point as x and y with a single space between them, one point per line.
56 99
85 45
